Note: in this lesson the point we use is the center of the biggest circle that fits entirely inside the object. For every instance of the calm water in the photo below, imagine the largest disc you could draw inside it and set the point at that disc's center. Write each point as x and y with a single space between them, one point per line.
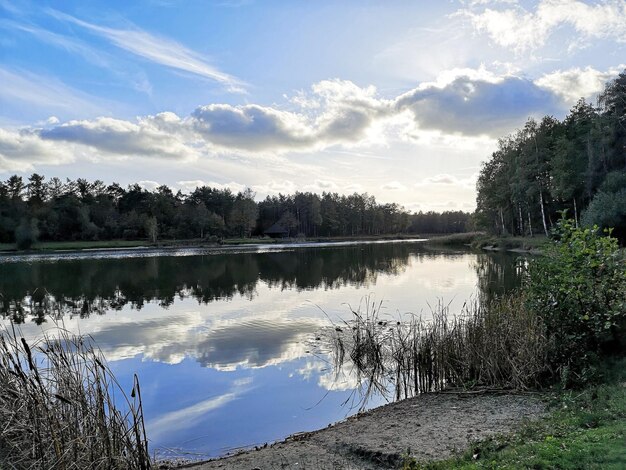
225 342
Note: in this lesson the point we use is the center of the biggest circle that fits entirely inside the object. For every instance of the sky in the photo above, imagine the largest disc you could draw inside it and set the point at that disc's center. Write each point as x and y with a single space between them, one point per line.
400 99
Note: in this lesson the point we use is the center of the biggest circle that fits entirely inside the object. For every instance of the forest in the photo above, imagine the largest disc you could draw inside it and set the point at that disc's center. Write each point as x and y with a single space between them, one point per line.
37 209
576 165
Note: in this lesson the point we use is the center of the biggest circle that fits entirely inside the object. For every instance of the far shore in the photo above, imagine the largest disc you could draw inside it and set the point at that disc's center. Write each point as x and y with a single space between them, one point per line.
118 245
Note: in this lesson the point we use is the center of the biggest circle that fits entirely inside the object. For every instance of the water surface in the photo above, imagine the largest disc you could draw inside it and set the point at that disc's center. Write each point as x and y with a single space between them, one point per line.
225 342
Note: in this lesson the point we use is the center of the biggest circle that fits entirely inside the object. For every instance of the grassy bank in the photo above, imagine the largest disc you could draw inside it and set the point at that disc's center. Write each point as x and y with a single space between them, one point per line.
585 429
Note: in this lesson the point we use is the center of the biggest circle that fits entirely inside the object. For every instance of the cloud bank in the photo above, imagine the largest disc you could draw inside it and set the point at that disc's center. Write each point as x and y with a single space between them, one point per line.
333 113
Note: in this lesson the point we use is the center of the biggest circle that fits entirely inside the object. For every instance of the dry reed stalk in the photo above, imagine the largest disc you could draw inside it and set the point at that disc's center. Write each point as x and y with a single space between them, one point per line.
58 408
497 344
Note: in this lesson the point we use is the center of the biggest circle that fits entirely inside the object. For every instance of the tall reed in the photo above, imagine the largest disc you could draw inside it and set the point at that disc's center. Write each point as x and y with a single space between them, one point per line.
58 408
497 344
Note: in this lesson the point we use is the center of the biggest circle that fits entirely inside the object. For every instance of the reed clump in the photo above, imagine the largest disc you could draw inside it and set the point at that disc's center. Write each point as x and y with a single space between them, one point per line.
58 408
497 344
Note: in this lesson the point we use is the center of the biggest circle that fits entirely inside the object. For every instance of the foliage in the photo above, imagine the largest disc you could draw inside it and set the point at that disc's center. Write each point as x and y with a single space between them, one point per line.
579 289
550 165
58 408
81 210
607 209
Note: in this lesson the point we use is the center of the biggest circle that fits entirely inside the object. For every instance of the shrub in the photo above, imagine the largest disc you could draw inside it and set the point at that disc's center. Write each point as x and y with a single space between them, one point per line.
607 209
579 289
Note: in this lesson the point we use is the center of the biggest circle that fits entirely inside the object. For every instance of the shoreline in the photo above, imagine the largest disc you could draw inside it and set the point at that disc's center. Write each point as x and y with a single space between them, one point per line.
431 426
116 245
194 248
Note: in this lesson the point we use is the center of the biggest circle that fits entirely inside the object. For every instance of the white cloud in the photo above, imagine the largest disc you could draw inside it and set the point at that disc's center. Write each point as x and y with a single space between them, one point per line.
21 149
354 188
575 83
521 30
477 104
463 108
393 186
157 49
451 180
442 179
148 185
320 186
275 187
161 135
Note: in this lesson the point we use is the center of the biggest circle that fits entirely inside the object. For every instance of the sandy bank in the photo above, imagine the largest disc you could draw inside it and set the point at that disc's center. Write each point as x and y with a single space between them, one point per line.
431 426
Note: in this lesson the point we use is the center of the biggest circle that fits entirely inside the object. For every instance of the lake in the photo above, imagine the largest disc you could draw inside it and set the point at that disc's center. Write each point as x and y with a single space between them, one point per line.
227 342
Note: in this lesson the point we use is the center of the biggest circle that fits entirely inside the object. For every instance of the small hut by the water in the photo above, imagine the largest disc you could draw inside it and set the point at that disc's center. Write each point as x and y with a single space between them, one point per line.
277 231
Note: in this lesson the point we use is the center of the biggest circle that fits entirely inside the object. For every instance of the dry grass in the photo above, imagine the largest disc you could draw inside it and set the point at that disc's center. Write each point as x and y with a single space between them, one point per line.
58 408
500 344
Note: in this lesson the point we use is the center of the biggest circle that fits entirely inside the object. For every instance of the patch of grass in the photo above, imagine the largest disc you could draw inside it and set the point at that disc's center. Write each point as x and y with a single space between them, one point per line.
585 429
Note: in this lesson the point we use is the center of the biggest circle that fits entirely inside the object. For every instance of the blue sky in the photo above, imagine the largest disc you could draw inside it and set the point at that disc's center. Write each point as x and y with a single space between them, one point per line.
401 99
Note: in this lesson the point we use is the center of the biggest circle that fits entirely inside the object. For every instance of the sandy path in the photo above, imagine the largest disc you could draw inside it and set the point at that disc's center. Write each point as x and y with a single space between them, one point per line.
432 426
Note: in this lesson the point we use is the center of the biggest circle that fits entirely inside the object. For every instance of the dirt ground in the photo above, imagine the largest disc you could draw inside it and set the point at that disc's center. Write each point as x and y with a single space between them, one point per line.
430 426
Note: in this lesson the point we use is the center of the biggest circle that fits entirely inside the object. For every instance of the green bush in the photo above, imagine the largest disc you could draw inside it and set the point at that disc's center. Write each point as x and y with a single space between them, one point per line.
579 289
607 209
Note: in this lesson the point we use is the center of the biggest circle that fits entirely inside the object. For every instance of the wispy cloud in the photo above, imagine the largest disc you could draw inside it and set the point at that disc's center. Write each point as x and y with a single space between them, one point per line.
69 44
46 93
89 53
157 49
187 417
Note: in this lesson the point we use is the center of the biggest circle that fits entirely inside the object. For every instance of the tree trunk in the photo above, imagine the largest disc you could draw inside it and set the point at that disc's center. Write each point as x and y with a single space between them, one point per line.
575 213
543 212
521 220
502 222
530 224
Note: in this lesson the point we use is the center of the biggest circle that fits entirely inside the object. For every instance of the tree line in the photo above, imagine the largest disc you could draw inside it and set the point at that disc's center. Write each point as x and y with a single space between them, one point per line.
56 210
577 164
